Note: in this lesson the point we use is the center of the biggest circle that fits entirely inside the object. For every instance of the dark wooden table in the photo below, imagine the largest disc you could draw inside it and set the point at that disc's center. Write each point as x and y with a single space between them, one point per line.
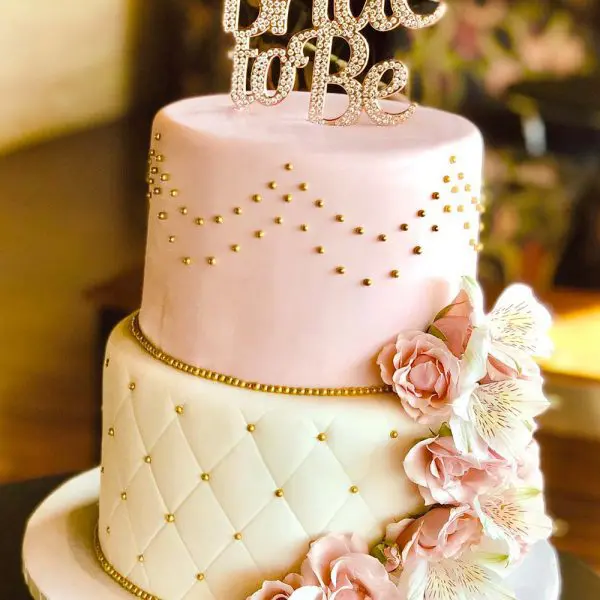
18 501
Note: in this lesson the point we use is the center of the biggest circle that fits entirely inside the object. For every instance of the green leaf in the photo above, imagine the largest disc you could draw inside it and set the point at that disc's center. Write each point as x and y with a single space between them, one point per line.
378 552
443 312
445 430
433 330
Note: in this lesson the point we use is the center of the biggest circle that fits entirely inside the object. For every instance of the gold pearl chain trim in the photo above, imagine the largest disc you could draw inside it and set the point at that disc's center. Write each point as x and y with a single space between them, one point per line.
158 354
116 576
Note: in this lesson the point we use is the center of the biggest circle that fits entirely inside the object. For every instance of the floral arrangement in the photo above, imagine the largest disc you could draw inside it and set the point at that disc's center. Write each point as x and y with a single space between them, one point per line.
472 379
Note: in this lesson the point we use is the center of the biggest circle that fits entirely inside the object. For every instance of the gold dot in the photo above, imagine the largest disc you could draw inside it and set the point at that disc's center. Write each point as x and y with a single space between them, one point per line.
480 208
421 213
446 178
340 218
218 219
289 167
319 203
174 193
179 409
123 496
354 489
359 230
460 208
474 200
382 237
162 215
111 431
322 437
148 195
186 260
152 152
141 558
205 477
235 248
461 176
395 273
160 158
200 576
273 185
288 198
447 208
170 518
165 177
404 227
260 234
340 270
468 187
452 160
418 250
472 242
157 137
435 228
237 536
467 225
150 180
279 493
183 210
278 220
148 459
132 386
481 226
303 187
257 198
304 227
479 247
171 239
320 250
108 530
237 210
435 196
367 282
251 427
454 189
394 434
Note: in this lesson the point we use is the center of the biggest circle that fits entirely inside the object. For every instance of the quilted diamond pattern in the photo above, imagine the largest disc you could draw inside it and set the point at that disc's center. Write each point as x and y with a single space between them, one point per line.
208 490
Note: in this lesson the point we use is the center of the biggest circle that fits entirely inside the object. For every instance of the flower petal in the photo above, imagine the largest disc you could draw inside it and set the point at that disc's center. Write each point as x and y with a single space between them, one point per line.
471 287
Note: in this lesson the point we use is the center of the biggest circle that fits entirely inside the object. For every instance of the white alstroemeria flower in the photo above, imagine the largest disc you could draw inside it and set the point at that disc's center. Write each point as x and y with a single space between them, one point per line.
514 516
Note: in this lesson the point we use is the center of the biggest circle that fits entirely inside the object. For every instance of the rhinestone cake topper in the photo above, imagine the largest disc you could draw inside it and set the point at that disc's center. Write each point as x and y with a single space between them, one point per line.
273 18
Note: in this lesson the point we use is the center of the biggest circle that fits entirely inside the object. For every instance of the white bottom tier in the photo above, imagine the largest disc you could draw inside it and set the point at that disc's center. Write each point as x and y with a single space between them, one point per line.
209 489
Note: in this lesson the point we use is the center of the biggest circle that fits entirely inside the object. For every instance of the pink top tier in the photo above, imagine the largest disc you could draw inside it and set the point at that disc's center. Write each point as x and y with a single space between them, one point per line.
289 253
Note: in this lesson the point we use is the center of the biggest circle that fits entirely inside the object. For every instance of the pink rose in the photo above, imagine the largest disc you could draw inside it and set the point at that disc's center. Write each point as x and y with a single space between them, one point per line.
424 374
341 565
445 476
455 324
281 590
441 533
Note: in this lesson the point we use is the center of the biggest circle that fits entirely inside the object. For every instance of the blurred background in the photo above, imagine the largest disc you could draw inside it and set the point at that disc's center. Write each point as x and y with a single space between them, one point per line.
79 83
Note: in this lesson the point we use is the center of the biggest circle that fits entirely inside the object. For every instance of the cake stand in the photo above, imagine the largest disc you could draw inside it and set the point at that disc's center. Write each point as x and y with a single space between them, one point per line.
59 562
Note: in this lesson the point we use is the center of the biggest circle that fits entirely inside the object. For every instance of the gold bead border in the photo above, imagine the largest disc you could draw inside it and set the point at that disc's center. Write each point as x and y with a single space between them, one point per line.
158 354
127 585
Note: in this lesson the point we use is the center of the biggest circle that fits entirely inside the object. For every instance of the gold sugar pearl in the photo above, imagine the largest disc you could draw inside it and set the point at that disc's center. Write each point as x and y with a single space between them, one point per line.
260 234
174 193
382 237
359 230
479 247
111 431
187 261
467 225
148 195
303 187
446 178
461 176
319 203
272 185
102 470
468 187
418 250
480 208
404 227
158 137
257 198
238 210
183 210
199 221
288 198
435 228
123 496
472 242
304 227
340 218
460 208
170 518
152 152
179 409
354 489
154 170
447 208
481 226
289 167
237 536
279 493
340 270
165 177
278 220
394 434
132 386
171 239
453 160
455 189
107 362
251 427
150 180
148 459
160 158
108 530
235 248
200 577
322 437
140 558
162 215
367 282
205 477
435 196
421 213
320 250
474 200
218 219
395 274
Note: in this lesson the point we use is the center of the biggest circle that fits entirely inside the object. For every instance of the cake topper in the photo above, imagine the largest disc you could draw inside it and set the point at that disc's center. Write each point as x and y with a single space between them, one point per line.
273 18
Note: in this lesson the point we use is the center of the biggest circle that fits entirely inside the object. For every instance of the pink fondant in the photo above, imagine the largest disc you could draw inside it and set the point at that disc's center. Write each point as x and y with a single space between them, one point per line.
277 311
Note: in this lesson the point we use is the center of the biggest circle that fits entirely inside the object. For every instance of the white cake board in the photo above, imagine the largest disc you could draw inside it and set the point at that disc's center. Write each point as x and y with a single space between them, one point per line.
59 562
